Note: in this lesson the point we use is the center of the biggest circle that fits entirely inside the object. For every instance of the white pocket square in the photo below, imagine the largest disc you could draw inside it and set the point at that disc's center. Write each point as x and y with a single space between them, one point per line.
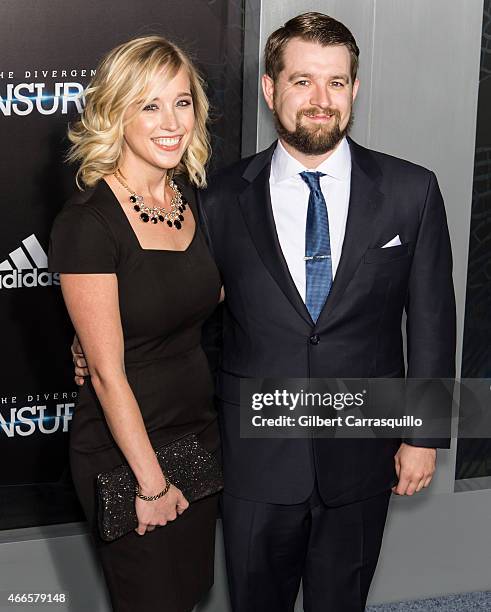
396 241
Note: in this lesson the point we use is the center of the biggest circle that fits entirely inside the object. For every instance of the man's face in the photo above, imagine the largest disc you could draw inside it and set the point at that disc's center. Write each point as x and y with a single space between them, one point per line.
312 96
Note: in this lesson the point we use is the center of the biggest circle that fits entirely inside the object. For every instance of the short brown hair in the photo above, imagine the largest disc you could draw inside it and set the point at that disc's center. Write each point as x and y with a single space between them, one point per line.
311 27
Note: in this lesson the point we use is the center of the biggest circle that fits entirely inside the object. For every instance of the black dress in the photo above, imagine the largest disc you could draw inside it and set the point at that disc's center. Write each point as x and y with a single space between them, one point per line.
164 297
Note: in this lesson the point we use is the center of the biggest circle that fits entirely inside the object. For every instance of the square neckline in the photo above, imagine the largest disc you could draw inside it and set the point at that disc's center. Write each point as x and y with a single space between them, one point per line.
134 235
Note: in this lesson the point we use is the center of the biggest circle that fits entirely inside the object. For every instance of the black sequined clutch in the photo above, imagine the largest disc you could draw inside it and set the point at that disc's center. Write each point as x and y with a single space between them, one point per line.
188 466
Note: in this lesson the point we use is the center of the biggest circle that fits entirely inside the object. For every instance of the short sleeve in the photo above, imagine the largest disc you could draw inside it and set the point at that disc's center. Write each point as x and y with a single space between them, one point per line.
81 242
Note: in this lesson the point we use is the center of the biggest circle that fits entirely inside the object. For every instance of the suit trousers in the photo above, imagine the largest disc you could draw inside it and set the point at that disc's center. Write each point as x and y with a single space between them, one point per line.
270 548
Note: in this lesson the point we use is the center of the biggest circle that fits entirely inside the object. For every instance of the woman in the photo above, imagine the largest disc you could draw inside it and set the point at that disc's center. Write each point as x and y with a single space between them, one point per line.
138 281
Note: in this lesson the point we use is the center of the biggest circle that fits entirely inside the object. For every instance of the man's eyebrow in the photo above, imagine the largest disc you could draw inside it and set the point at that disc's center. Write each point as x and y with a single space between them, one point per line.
308 75
297 75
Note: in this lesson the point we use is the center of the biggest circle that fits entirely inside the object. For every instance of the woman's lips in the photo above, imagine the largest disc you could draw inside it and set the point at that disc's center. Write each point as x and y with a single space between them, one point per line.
168 143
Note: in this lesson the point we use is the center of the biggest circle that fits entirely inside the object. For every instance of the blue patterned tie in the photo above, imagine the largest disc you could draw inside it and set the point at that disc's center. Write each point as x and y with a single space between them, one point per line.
318 268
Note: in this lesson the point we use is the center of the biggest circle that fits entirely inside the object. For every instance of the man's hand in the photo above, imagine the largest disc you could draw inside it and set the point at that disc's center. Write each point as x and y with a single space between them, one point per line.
79 362
415 467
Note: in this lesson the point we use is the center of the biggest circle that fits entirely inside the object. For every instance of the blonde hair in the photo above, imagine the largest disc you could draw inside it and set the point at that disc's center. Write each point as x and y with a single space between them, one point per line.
123 78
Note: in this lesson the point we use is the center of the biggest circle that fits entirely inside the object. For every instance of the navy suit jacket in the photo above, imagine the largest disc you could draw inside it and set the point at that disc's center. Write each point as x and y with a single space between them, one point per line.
267 331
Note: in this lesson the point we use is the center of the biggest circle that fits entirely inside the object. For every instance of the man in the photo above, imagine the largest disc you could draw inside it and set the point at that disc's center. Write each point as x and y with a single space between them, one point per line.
321 244
315 509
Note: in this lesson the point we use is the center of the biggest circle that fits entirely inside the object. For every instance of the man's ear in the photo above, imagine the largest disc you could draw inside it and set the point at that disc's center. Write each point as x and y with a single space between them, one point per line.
268 90
356 85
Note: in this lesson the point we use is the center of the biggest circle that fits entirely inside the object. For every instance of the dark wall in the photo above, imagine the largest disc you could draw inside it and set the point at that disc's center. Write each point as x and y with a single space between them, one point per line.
474 455
47 53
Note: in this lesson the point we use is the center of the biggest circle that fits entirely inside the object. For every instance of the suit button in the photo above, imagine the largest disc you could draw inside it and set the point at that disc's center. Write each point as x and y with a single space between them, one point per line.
315 339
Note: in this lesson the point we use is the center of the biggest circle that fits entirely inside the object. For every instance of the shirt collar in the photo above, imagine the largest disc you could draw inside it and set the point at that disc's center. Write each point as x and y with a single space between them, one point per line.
337 165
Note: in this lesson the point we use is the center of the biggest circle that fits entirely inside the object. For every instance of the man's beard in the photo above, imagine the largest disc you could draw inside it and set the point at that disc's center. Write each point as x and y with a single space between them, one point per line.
315 140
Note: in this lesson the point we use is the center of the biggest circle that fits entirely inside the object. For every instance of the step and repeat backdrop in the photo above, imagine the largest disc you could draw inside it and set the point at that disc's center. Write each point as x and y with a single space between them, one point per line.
48 53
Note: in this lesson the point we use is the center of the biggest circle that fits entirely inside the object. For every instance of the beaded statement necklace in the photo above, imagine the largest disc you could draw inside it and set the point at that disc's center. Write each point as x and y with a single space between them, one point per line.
173 217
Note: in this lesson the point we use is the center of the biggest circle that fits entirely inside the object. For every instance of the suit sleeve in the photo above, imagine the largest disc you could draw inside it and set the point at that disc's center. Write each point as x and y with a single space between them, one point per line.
431 319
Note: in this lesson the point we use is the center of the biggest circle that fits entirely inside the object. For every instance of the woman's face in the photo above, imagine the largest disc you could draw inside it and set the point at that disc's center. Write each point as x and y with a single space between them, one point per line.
160 133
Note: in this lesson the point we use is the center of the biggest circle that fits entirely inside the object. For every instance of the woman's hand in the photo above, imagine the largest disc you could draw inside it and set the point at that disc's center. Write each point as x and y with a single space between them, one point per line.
159 512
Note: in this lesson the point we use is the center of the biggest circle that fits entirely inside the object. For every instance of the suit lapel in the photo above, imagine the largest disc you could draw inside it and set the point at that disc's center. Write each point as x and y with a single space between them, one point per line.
255 203
364 204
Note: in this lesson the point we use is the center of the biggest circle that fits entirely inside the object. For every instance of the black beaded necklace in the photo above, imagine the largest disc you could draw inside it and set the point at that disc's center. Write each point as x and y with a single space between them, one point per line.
173 217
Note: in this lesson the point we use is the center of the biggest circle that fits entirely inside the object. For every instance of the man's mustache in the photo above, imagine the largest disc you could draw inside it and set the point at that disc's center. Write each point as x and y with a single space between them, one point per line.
312 112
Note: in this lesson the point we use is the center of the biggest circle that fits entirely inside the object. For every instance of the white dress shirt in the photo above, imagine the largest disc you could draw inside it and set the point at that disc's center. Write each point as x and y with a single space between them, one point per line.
290 199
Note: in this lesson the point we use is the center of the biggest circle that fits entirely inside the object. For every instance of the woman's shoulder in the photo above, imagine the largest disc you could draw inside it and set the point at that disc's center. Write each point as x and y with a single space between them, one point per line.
97 199
82 238
91 210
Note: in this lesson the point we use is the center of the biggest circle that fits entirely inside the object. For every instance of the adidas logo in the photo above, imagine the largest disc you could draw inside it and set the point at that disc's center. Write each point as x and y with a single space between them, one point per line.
24 267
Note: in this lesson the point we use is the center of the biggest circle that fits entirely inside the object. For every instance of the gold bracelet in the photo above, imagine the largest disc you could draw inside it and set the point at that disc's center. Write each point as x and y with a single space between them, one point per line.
153 497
